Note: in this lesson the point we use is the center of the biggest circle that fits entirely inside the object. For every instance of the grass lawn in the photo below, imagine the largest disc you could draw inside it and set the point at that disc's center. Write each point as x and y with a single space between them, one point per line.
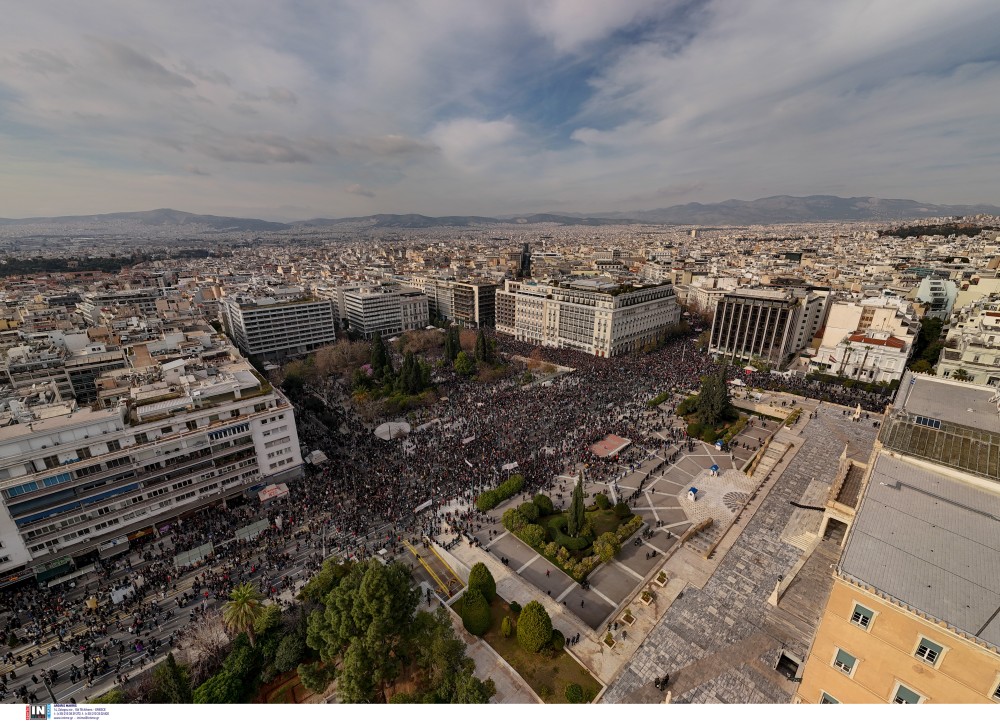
548 672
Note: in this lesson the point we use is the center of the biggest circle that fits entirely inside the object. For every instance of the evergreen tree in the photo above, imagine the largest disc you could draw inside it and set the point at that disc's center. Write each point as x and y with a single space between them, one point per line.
464 365
483 347
173 682
713 401
577 508
452 344
381 360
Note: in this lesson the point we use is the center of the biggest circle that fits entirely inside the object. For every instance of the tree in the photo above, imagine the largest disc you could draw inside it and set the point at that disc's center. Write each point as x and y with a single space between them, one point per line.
506 627
713 403
481 578
241 611
381 360
602 502
173 682
577 509
574 693
544 504
290 651
622 510
323 582
366 622
484 348
475 611
314 676
607 546
961 375
464 365
445 668
452 343
529 510
534 627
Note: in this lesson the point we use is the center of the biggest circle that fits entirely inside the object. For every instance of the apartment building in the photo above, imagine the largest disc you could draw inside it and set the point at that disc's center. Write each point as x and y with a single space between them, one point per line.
590 315
469 303
176 438
912 616
275 328
385 310
972 344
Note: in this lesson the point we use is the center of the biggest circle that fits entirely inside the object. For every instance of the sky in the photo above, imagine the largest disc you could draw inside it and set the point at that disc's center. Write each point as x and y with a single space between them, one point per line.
329 108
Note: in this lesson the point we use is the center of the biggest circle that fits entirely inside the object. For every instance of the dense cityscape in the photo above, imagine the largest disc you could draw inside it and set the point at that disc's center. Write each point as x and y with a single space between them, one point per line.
651 442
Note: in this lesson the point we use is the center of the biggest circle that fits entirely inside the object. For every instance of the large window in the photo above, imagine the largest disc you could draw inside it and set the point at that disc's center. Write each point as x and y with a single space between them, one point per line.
862 616
827 698
844 661
905 695
928 651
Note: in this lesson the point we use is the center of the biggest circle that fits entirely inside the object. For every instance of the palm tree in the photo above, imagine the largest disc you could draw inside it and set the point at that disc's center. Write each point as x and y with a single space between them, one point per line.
241 611
960 375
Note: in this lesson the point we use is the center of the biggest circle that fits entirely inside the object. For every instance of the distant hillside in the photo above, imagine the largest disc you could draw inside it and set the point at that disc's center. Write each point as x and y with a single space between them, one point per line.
410 220
764 211
790 209
160 217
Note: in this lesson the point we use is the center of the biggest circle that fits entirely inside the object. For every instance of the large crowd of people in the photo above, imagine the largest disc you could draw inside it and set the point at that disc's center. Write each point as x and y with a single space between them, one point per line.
367 496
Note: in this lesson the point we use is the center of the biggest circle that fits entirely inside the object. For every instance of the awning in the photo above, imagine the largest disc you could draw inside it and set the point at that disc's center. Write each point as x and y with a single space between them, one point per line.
252 531
113 547
194 555
273 491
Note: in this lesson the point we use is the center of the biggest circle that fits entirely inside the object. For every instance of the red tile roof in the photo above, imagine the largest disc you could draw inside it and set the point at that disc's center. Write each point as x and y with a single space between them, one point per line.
890 341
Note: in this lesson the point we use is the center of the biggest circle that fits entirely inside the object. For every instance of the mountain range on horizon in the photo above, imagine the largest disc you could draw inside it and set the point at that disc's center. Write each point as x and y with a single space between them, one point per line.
763 211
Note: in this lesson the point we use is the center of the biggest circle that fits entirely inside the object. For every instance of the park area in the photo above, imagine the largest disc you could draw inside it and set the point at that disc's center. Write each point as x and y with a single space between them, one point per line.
575 540
551 672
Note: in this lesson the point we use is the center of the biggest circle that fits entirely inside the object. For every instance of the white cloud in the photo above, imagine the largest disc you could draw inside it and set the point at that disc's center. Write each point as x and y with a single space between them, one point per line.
442 106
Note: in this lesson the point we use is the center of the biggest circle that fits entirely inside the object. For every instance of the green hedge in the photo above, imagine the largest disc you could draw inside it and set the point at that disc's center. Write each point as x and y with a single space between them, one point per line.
659 399
557 531
492 498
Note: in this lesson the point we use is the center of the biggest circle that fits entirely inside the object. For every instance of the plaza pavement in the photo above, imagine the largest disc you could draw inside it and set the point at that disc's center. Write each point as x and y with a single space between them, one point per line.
707 626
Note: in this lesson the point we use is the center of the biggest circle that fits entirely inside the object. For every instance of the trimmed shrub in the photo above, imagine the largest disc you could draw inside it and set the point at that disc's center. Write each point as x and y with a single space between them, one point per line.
687 406
475 612
515 608
709 435
492 498
557 526
513 521
574 693
529 510
558 640
602 502
551 549
481 578
622 510
532 534
628 528
606 546
544 504
694 430
534 628
506 627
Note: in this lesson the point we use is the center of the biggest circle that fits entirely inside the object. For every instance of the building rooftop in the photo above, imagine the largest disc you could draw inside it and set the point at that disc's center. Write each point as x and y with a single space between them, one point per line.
932 542
949 401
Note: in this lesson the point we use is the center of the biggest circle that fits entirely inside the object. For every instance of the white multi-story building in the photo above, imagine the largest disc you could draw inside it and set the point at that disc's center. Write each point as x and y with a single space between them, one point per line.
175 438
385 309
972 344
868 340
273 329
592 315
